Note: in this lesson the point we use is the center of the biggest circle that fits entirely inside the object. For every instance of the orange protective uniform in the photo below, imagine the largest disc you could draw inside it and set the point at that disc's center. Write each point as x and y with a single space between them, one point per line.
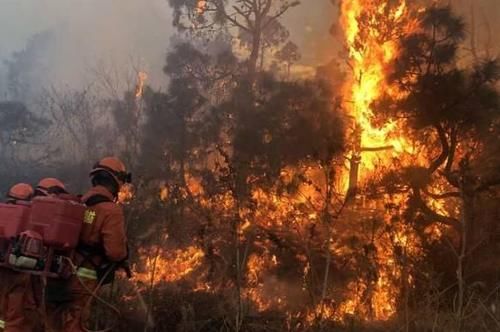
19 292
107 229
103 227
18 310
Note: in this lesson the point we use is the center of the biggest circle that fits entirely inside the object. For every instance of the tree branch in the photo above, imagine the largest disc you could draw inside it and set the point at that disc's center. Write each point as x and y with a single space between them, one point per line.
450 194
282 11
246 16
431 214
445 149
219 5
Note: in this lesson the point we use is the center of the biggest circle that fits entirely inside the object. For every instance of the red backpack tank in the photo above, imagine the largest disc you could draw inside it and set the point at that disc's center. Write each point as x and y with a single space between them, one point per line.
13 219
58 221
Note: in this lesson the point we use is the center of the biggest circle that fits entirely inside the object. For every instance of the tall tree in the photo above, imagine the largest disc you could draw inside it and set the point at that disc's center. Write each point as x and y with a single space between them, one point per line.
289 54
252 17
451 105
451 108
20 141
26 69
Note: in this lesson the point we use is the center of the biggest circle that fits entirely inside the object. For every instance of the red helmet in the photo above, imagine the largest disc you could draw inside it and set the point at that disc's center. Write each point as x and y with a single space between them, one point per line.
115 167
48 186
21 192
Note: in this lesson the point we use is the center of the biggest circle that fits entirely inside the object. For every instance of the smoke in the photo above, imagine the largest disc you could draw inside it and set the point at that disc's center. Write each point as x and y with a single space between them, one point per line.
310 26
66 40
482 20
64 43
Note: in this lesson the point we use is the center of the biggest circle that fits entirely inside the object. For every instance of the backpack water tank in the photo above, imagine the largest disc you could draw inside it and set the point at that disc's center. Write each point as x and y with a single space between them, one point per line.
13 219
58 221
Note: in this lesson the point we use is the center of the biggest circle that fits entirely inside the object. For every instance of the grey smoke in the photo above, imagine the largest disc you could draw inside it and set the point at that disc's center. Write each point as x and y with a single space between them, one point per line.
81 36
86 34
119 34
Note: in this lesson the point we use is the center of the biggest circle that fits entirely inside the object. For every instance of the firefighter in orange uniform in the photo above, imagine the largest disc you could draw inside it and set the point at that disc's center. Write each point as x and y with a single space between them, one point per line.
103 242
47 187
18 306
50 187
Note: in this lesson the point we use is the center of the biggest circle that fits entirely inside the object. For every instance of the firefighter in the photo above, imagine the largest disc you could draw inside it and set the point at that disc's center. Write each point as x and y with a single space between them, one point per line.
18 306
20 192
50 187
55 188
103 243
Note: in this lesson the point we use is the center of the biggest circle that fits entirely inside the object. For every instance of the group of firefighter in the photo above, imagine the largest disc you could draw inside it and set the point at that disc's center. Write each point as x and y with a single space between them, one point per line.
31 303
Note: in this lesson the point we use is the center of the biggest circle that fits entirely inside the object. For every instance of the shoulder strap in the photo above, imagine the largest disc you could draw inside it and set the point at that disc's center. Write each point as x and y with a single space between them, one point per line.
97 199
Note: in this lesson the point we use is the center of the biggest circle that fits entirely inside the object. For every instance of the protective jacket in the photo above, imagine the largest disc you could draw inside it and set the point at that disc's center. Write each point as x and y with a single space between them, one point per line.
19 292
18 305
104 225
104 230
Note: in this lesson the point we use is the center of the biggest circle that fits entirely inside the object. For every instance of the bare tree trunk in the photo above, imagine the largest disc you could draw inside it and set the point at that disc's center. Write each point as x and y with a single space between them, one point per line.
354 163
254 55
262 57
329 176
239 309
406 289
473 33
467 234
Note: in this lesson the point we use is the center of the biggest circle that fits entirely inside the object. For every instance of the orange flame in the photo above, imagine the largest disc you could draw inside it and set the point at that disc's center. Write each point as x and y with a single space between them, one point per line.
201 6
168 266
372 47
139 88
371 30
126 193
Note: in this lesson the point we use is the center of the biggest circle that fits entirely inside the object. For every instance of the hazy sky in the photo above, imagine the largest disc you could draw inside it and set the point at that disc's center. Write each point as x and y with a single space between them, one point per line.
122 33
86 32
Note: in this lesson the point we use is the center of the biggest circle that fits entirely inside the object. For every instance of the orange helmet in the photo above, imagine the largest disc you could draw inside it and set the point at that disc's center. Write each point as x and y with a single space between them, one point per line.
48 186
20 192
115 167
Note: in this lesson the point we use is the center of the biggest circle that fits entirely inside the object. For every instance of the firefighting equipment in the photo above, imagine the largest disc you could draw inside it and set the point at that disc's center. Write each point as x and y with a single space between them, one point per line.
13 220
59 221
48 186
20 192
114 167
52 232
101 250
19 292
84 289
105 270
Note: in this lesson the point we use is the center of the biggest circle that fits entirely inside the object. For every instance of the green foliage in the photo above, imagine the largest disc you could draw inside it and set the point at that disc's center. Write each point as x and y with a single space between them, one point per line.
283 124
437 90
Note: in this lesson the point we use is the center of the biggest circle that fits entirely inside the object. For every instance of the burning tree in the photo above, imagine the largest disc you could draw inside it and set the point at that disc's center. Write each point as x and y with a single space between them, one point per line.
452 106
246 180
255 19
